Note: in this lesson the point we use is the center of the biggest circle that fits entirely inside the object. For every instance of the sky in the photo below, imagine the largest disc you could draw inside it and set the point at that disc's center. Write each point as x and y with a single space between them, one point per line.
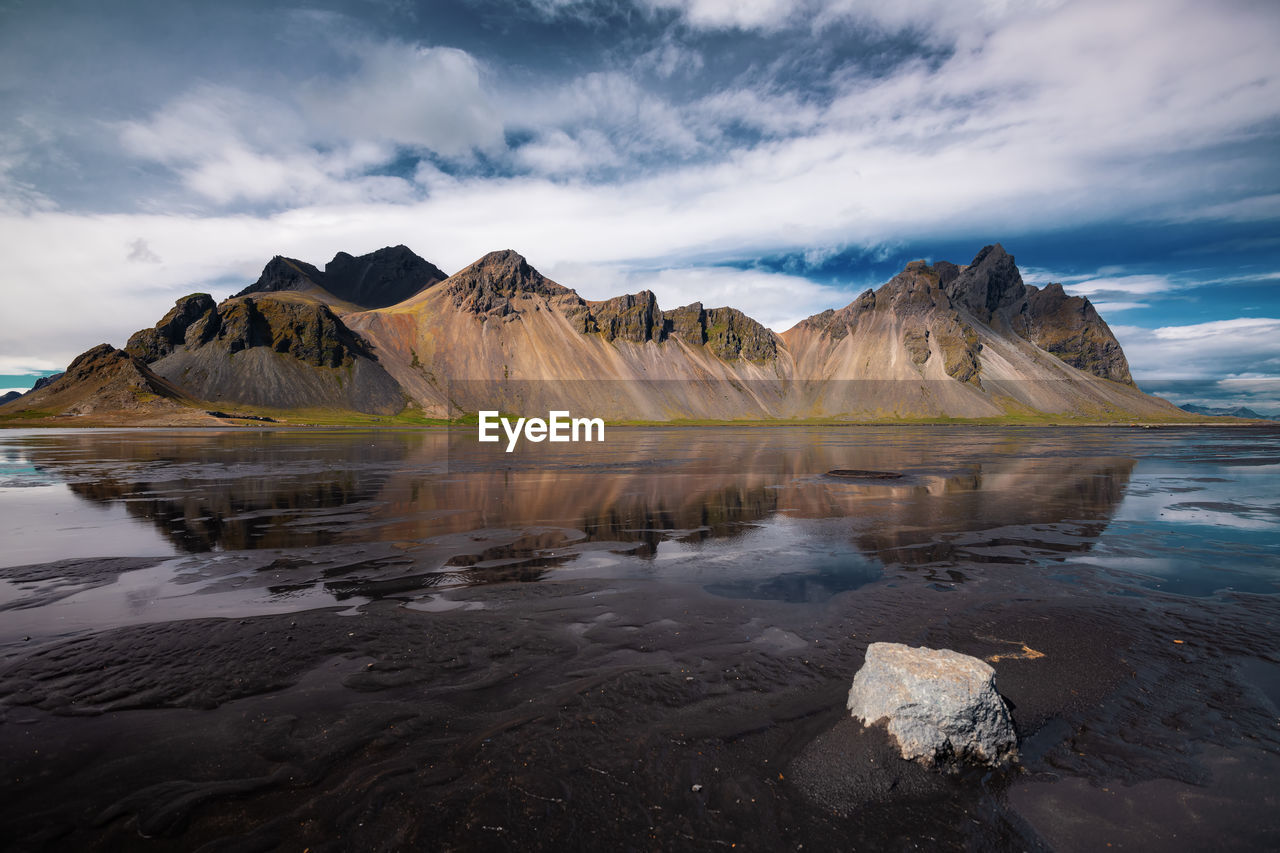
780 156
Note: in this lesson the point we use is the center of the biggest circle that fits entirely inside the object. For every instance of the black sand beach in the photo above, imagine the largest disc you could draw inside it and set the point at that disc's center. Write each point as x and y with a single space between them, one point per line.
385 641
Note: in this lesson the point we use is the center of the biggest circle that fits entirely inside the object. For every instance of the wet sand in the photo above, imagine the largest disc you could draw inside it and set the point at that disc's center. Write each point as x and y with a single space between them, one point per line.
636 674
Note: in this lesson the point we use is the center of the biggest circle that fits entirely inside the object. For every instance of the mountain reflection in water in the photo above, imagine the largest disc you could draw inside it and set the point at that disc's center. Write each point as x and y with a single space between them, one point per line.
656 495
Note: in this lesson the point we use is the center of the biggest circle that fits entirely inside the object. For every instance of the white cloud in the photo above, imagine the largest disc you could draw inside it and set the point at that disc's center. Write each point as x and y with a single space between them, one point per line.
776 300
609 102
1203 350
1044 116
669 57
1107 308
1222 331
11 365
1129 285
556 153
423 97
731 14
140 252
321 145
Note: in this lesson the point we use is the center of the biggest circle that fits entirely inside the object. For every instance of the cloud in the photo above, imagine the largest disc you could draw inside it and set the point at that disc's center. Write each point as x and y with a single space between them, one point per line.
1113 307
730 14
556 153
993 119
140 252
327 141
775 300
15 366
610 103
1129 285
423 97
1216 349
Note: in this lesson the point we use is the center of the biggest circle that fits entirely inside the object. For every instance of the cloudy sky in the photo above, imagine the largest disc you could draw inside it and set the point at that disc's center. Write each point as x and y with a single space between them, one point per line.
777 155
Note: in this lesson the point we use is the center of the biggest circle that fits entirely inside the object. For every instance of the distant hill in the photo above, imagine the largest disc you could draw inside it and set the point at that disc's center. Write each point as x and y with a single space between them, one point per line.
1236 412
388 332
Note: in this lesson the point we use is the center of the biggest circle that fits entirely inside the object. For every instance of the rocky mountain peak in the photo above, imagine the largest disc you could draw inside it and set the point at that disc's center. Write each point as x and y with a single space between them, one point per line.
507 270
385 277
170 333
1070 328
988 284
283 273
631 317
376 280
488 285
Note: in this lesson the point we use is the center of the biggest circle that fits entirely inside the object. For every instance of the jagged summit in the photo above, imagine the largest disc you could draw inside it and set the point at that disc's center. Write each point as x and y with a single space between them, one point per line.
376 280
380 278
988 292
488 285
991 282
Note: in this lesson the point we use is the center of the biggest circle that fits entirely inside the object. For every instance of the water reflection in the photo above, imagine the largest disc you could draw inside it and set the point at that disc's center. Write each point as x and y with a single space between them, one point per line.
641 491
347 514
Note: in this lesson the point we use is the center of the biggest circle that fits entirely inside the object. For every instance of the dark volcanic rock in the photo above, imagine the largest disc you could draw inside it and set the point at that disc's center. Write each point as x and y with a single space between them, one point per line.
732 334
376 280
859 474
687 323
727 332
45 381
960 348
631 317
990 283
308 331
1070 328
9 397
155 343
280 351
285 274
488 286
916 339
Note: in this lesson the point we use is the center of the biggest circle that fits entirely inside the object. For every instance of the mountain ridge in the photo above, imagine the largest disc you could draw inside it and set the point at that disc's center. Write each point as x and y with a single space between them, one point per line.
937 340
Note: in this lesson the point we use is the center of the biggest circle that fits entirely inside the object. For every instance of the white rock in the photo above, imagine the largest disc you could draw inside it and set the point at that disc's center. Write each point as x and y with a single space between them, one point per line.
942 706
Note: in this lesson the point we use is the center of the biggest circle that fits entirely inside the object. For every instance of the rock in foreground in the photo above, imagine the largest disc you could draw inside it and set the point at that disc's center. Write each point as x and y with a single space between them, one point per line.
942 707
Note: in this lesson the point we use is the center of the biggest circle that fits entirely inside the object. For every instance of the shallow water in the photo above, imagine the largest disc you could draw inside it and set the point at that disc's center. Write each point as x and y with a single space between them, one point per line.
748 513
684 551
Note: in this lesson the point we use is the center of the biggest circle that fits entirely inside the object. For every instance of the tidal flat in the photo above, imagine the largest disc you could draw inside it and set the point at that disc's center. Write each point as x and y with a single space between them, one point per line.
404 639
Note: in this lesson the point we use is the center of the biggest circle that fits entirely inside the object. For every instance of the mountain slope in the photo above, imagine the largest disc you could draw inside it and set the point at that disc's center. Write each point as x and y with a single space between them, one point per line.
105 383
276 350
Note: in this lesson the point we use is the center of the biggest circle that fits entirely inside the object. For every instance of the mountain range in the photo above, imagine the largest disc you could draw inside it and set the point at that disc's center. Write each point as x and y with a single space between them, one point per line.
1227 412
389 335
